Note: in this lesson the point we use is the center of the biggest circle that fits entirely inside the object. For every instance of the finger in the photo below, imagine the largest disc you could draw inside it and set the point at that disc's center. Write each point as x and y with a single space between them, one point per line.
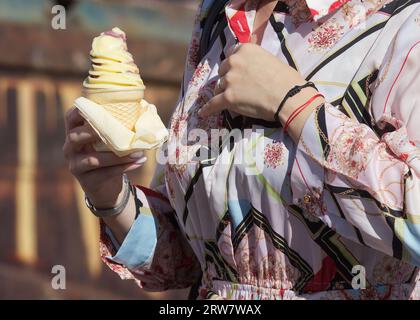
88 148
82 135
79 139
220 86
224 68
215 105
229 62
233 49
73 119
88 162
99 176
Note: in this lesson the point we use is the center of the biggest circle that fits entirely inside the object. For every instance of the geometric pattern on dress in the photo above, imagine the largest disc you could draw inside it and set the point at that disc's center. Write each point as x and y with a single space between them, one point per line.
213 256
256 218
330 242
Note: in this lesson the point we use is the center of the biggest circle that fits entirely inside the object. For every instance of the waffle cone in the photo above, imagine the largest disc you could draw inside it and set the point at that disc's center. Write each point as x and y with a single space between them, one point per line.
124 105
125 112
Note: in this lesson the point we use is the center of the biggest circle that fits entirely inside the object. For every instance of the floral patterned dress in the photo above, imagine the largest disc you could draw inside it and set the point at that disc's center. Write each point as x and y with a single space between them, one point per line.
265 218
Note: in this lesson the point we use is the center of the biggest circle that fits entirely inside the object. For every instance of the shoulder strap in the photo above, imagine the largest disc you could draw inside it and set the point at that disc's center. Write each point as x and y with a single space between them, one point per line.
208 24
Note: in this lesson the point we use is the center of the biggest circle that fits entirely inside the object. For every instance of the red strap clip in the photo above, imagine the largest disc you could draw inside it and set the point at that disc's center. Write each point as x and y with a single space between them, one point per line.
239 25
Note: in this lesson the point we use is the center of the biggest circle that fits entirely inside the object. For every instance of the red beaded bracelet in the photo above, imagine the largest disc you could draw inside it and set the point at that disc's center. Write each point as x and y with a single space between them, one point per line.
298 110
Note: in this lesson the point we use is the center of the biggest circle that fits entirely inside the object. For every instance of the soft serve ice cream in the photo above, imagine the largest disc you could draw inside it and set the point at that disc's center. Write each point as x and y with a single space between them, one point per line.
114 80
113 101
113 66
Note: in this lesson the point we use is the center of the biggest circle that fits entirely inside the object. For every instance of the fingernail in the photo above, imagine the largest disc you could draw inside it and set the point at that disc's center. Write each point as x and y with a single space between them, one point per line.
136 155
142 160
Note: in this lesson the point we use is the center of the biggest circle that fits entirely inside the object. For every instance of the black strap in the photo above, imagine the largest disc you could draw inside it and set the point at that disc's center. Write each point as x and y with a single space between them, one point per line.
292 92
208 25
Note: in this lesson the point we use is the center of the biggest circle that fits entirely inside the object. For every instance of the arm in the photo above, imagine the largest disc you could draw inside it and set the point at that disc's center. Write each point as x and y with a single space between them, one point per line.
154 252
356 180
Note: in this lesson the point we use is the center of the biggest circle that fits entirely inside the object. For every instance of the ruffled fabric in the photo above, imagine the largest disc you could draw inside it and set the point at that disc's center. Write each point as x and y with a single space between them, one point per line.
400 143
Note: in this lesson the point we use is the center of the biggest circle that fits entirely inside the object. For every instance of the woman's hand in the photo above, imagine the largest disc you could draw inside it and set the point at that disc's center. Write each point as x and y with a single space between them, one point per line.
99 173
253 82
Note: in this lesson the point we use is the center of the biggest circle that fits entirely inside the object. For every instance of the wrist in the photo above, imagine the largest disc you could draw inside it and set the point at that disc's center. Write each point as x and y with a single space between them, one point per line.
293 119
106 202
111 208
108 195
297 100
292 96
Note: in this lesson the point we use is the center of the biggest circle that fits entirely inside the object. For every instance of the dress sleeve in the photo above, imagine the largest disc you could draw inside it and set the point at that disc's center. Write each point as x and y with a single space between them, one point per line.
364 181
154 253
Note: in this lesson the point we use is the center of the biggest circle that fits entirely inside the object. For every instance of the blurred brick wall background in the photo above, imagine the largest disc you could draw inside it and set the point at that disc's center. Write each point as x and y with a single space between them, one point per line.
43 218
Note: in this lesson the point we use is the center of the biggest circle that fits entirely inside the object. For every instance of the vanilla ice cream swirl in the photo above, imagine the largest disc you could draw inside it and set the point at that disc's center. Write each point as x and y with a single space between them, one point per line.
113 66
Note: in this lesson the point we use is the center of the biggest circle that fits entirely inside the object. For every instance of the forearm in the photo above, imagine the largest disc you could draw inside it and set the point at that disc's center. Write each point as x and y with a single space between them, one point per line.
154 251
121 223
295 128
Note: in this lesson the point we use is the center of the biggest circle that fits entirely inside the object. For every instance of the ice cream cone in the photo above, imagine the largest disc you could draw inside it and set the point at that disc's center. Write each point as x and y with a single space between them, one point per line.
113 103
126 113
114 81
124 105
